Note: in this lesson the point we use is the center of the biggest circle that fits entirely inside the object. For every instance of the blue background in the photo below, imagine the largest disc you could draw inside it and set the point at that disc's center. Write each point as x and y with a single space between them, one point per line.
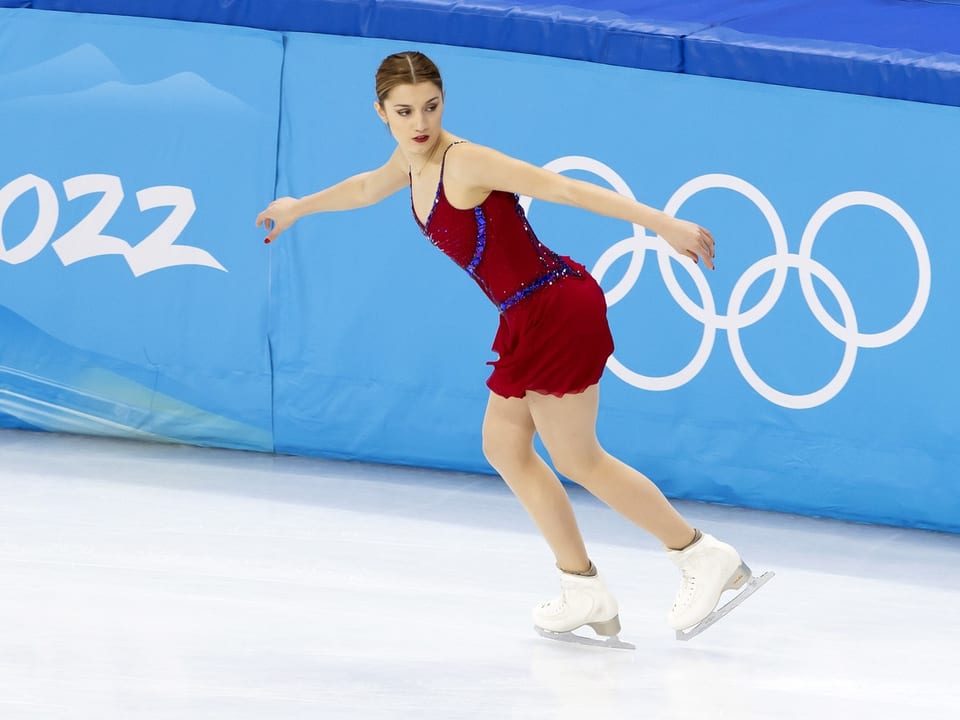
353 337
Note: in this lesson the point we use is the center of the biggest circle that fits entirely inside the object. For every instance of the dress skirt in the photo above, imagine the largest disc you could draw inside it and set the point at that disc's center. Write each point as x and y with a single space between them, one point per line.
554 342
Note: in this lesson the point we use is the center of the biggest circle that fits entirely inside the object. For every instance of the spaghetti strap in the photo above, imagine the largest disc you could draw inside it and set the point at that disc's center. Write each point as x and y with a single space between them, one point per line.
439 192
443 160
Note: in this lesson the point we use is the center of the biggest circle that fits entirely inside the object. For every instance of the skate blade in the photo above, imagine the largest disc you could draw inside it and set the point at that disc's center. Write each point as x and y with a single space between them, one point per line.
755 584
613 642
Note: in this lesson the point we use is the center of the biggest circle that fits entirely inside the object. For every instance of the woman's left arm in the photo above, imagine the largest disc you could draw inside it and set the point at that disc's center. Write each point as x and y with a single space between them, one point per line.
486 169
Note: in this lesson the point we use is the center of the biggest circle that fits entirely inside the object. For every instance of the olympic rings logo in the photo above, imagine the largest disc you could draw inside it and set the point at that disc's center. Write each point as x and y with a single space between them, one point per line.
736 317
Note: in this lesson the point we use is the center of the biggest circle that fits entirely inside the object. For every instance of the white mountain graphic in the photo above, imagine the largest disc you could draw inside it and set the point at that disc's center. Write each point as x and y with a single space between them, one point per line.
85 76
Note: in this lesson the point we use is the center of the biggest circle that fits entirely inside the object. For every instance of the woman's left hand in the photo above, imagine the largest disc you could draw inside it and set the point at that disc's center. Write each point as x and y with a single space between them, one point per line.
690 239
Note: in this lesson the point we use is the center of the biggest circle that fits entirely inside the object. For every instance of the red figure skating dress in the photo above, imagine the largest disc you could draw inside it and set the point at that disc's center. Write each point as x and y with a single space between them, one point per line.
553 336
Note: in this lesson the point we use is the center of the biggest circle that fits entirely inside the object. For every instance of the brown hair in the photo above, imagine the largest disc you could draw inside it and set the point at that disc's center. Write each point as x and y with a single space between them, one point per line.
405 68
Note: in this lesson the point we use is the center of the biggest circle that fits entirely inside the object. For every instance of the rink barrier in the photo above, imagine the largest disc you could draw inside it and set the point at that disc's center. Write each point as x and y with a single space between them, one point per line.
130 305
907 49
798 377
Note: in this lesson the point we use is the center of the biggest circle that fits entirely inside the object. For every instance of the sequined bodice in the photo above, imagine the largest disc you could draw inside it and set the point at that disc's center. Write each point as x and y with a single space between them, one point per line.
495 244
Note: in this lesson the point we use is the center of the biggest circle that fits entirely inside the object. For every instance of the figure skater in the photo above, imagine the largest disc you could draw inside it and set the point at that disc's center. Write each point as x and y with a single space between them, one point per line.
553 339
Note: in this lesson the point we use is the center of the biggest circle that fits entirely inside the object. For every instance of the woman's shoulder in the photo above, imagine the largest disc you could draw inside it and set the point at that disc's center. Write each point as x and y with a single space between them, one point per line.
463 157
452 142
479 166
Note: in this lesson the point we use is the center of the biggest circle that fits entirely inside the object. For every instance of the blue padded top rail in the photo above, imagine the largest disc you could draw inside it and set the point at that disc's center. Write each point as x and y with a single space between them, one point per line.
908 49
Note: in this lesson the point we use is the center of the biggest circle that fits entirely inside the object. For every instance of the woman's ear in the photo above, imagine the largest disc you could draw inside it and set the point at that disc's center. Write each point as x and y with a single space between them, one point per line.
380 111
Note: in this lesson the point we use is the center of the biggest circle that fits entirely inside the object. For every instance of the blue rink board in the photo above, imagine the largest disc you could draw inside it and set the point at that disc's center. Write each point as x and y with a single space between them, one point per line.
733 387
905 49
127 305
384 360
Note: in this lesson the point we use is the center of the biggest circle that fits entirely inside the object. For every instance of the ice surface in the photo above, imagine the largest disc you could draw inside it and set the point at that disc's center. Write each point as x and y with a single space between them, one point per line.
145 581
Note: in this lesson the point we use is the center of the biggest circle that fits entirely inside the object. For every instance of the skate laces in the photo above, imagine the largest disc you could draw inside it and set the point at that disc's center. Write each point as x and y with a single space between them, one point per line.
561 603
558 603
688 588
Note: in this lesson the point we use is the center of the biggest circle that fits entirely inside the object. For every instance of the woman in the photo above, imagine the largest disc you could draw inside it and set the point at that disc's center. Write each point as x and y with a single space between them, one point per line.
553 341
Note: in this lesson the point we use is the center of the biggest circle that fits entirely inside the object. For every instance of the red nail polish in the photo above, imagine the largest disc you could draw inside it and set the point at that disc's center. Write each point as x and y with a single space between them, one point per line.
267 240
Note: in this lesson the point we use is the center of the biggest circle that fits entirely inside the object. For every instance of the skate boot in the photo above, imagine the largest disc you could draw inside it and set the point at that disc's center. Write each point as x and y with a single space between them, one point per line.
583 600
709 567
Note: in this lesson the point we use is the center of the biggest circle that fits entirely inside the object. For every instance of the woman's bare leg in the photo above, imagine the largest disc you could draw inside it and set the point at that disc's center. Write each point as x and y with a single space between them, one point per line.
567 426
508 432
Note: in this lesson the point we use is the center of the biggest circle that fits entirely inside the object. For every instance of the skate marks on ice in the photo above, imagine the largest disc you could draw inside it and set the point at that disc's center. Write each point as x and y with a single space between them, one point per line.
613 642
755 584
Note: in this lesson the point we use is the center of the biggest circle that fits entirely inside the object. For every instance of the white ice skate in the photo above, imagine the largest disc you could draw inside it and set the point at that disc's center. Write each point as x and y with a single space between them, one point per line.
583 601
709 568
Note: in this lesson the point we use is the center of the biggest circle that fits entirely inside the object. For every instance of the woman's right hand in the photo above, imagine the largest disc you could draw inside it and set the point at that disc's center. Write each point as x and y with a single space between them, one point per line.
691 240
279 215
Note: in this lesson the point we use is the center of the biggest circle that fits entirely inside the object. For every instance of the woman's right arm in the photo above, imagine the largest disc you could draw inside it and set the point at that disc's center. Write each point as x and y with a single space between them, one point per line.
357 191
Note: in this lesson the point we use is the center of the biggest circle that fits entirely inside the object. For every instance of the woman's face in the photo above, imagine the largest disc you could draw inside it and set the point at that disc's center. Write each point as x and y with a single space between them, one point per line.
413 114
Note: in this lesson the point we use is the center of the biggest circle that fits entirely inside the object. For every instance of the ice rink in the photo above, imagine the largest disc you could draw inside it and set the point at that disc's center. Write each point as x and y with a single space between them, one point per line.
152 581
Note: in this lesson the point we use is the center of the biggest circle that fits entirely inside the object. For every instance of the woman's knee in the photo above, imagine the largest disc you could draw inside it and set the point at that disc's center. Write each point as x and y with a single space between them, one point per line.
507 434
505 449
577 463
